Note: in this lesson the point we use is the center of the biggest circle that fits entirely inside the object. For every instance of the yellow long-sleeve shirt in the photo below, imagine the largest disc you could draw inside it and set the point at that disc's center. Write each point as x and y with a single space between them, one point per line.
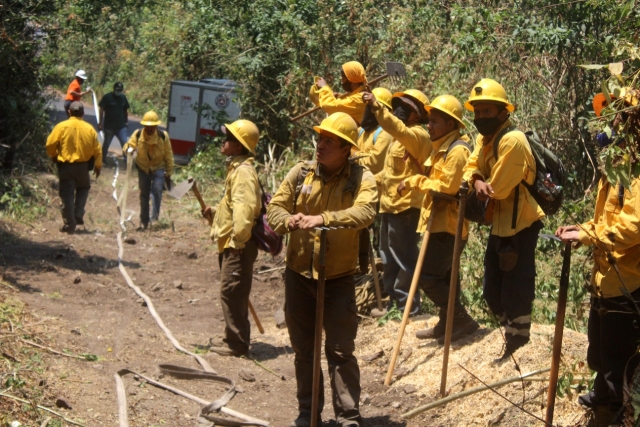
74 141
515 163
616 229
348 198
445 176
153 152
407 140
240 205
352 104
373 152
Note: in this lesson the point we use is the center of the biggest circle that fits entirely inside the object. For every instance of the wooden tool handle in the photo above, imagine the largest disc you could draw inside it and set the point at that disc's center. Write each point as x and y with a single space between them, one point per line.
201 201
342 95
317 346
255 318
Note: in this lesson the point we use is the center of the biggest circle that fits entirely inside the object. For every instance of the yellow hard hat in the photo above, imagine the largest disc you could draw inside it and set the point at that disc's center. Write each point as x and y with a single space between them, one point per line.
341 125
383 95
449 105
414 93
246 132
629 95
491 91
150 118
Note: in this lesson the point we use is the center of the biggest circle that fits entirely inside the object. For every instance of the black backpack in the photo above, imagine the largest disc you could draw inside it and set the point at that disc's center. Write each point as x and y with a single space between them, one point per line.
548 187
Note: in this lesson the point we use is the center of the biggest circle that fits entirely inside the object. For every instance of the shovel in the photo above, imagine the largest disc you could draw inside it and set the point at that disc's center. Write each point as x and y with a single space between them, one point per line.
317 346
453 285
559 330
394 70
178 192
437 197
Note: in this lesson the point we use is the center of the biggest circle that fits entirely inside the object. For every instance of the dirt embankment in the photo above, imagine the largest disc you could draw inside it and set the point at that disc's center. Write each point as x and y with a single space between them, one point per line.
81 305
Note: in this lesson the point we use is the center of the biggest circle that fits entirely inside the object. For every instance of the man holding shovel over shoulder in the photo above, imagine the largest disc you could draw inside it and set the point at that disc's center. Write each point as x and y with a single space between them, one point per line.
353 83
407 153
509 262
613 319
443 174
330 192
237 251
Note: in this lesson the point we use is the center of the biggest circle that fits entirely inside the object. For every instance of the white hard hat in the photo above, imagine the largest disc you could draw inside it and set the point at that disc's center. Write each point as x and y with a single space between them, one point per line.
82 74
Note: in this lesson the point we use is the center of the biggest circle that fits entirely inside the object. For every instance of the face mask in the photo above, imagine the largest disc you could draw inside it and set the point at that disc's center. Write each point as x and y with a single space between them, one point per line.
402 111
117 92
487 126
369 121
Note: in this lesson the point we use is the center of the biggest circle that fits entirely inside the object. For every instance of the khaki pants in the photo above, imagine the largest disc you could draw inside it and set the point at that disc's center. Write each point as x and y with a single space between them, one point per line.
236 274
340 326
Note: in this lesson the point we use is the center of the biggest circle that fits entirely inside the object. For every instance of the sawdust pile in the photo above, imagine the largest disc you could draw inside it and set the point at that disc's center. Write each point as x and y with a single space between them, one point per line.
420 364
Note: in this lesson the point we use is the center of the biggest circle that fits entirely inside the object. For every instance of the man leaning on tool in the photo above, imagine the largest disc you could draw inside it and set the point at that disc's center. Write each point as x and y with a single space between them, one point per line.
353 82
73 145
330 192
509 262
613 319
407 153
237 251
443 170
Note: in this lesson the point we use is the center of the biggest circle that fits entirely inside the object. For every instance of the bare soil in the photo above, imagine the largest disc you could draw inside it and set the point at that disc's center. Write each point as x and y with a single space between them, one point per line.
73 284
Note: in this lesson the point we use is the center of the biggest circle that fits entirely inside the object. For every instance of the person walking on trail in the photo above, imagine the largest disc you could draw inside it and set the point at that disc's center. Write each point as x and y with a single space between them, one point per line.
373 142
509 262
613 318
353 80
74 91
400 214
237 250
73 145
114 118
443 174
155 164
330 192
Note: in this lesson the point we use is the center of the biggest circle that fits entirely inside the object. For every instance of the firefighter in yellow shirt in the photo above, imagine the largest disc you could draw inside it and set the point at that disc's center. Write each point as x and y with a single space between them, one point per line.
400 214
443 174
328 192
155 164
509 263
353 80
613 331
73 145
237 250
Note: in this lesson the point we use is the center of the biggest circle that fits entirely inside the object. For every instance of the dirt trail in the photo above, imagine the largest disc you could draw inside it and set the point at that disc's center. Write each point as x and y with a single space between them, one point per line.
75 279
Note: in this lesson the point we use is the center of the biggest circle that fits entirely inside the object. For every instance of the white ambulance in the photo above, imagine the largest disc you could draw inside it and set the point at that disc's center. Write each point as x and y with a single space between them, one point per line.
196 110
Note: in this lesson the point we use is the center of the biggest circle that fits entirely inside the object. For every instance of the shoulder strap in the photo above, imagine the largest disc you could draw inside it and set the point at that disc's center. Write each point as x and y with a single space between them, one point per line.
360 132
304 171
377 134
498 137
355 177
456 144
161 134
137 133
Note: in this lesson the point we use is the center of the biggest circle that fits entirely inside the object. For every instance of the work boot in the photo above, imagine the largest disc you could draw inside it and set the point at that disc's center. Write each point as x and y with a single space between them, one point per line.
512 345
461 329
588 400
68 229
304 420
432 333
228 351
79 221
143 226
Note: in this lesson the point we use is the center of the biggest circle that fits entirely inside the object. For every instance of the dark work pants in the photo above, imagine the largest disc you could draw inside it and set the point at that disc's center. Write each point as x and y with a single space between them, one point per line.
613 339
399 253
435 276
236 275
510 294
73 190
150 184
340 327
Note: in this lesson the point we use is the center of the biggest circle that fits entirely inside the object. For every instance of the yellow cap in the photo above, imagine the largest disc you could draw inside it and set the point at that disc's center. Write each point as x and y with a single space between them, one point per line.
488 90
449 105
246 132
341 125
383 95
414 93
150 118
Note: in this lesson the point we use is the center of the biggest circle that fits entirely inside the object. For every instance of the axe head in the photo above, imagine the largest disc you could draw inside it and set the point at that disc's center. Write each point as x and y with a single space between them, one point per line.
178 191
396 71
